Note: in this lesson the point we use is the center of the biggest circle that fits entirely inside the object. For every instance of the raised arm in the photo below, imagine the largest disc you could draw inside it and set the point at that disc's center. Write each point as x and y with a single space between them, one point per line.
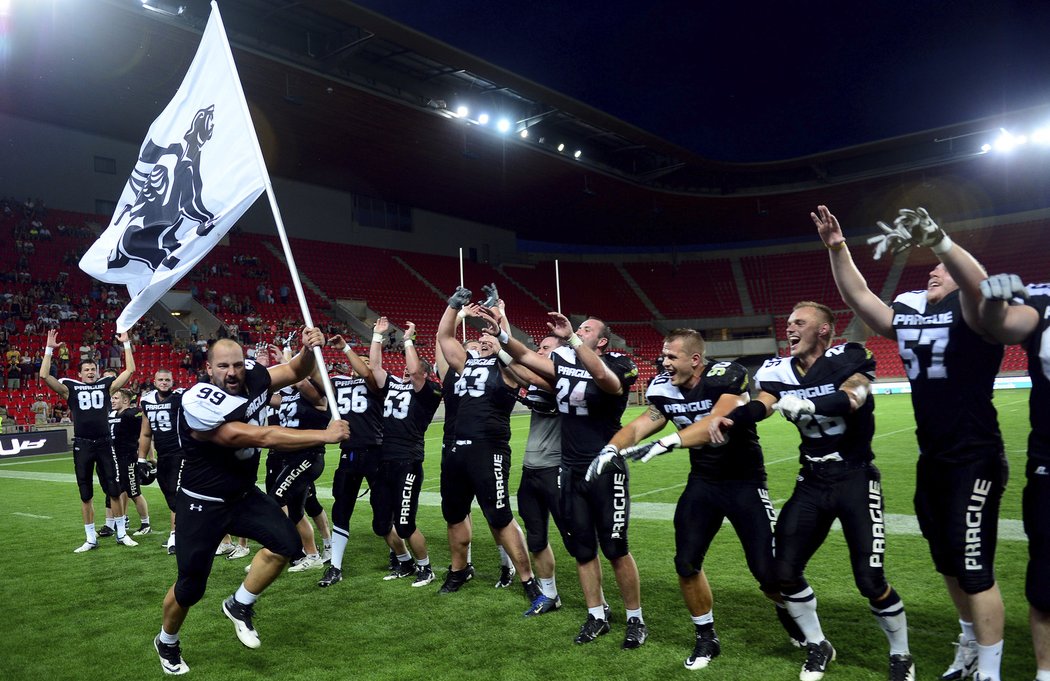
439 359
129 364
851 283
375 351
542 367
1008 324
606 380
356 363
300 366
454 354
45 365
416 369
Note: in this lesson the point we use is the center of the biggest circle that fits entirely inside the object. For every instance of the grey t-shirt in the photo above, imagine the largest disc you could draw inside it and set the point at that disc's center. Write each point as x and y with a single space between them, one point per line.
543 448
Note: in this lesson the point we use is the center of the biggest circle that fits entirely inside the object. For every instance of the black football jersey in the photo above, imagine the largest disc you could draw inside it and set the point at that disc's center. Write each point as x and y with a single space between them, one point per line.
89 407
589 415
740 458
448 394
1038 347
485 402
406 415
362 409
951 369
826 439
297 412
211 470
124 429
163 415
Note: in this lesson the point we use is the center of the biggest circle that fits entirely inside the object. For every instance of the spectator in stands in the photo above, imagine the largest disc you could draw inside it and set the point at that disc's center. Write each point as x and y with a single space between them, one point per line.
63 359
195 329
26 367
87 353
41 409
14 355
284 294
14 376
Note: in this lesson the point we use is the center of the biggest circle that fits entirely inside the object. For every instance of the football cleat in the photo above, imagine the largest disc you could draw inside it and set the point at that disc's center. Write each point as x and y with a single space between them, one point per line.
144 528
170 657
241 616
332 575
965 663
637 632
224 549
543 604
818 655
85 547
404 569
592 629
238 552
126 541
706 649
424 575
456 579
171 550
308 562
902 668
506 576
106 531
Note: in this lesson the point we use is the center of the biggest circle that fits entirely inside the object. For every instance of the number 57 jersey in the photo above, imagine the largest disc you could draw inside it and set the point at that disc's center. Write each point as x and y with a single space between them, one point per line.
951 369
843 440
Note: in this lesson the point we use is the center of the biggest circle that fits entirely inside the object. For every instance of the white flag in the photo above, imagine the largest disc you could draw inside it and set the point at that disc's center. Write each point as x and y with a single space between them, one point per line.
198 170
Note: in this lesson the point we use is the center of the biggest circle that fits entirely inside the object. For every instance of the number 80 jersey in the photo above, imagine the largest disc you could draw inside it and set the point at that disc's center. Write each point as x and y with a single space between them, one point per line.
951 369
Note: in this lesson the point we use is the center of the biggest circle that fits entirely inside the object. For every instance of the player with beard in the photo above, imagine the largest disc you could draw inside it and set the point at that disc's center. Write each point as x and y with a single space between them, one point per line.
88 400
951 366
125 424
409 407
592 386
359 400
726 480
162 408
224 421
478 464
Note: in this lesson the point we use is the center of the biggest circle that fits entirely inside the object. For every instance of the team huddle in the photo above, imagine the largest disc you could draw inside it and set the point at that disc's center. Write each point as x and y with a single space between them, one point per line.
208 440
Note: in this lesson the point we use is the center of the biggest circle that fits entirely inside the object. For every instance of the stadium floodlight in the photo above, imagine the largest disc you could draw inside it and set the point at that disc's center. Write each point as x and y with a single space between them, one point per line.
1007 141
577 154
462 111
985 148
503 125
561 147
1041 136
524 133
483 119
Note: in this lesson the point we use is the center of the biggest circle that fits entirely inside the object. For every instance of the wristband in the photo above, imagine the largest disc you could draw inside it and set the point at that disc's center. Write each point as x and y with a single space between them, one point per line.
836 247
505 357
462 314
835 404
127 345
377 337
347 350
942 246
574 340
503 336
142 461
409 343
671 441
748 414
48 351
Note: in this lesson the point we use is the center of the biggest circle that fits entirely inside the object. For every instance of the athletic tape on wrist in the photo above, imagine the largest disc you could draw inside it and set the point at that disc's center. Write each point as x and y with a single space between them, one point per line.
671 441
48 352
505 357
942 246
575 341
127 345
377 337
409 343
503 336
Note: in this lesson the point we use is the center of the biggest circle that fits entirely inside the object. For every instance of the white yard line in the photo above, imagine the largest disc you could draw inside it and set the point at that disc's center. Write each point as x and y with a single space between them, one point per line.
33 459
31 515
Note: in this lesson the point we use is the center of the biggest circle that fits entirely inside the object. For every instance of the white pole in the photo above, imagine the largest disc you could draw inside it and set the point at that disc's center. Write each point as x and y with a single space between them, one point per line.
557 284
461 280
292 270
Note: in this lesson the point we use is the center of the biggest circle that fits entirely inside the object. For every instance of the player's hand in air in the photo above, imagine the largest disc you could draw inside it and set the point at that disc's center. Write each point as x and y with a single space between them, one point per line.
1004 287
893 240
459 298
828 227
492 296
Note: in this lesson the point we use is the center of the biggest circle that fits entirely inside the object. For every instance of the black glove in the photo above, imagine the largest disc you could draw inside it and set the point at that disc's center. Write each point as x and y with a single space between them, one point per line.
460 298
492 295
145 472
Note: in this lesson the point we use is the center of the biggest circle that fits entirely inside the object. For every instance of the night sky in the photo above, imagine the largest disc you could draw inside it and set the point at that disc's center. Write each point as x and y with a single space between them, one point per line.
760 81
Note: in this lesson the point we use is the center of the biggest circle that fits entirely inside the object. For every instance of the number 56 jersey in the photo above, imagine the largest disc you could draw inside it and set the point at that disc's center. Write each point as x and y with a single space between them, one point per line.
826 439
951 369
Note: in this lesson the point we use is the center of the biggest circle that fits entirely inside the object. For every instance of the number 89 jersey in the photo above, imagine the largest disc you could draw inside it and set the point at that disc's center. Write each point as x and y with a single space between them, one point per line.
826 439
361 409
951 369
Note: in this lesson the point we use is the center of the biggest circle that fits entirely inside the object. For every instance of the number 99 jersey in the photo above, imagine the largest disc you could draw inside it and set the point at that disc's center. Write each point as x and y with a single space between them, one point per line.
826 439
951 369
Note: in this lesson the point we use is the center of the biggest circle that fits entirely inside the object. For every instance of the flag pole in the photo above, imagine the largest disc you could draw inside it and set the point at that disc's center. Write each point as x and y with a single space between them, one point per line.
557 284
461 280
292 270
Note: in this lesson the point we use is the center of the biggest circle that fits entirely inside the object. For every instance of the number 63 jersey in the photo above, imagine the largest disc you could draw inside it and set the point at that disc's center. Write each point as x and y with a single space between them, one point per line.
826 439
951 369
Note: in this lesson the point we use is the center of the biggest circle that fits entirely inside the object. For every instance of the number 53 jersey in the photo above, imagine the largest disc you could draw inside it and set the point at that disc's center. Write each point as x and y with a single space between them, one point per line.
826 439
951 369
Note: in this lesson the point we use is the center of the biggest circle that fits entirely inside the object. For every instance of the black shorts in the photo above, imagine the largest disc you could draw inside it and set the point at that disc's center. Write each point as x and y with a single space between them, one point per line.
481 470
355 466
539 500
395 498
169 473
294 473
854 498
130 481
95 456
1037 526
698 518
596 512
957 505
203 523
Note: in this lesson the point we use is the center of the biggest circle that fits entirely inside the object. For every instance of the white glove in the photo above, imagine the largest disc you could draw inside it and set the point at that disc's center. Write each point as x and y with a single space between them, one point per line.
608 455
922 230
892 240
1003 287
792 407
646 451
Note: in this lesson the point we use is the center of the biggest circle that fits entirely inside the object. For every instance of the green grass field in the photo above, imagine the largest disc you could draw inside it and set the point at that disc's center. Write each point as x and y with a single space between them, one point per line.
94 615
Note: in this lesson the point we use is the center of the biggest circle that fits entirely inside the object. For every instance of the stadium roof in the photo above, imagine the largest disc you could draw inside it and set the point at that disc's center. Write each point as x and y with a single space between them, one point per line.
346 98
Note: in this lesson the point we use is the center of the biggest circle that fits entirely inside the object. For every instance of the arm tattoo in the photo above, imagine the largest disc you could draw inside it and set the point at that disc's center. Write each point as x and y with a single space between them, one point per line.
654 414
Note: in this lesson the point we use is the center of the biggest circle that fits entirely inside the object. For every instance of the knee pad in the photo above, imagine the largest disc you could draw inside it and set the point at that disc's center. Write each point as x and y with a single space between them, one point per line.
313 507
975 583
381 527
685 568
871 586
87 492
189 589
536 542
584 554
614 548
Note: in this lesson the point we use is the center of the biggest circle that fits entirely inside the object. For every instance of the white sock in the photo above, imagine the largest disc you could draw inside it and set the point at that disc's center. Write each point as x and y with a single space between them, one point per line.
403 557
967 631
893 622
144 519
111 523
423 562
988 660
313 556
635 613
470 553
121 528
1042 675
339 540
168 639
548 587
504 558
803 609
707 618
245 597
171 538
89 532
598 612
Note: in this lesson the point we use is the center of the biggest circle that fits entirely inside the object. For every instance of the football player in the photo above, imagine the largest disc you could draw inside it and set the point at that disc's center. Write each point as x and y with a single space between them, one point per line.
162 408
